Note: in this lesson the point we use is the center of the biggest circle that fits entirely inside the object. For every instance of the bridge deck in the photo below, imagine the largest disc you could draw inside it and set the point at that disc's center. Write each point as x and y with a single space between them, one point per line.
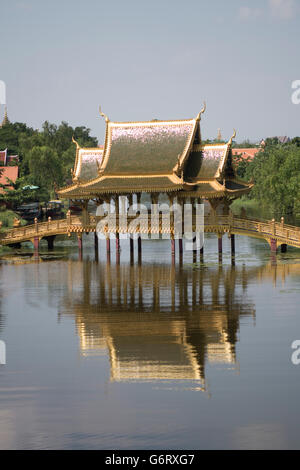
220 224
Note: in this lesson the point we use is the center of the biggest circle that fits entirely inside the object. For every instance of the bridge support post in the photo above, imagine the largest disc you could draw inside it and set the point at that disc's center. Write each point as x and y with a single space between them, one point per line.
273 245
79 239
36 242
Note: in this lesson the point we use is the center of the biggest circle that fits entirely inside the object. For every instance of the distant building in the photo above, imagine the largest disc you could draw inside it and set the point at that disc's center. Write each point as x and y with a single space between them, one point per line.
6 159
283 139
245 154
8 174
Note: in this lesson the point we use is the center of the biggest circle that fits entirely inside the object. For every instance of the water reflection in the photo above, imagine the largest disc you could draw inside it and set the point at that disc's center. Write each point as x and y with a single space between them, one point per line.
158 322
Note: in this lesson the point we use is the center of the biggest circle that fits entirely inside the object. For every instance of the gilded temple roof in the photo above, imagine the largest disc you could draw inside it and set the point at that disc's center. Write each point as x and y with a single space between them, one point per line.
87 162
153 156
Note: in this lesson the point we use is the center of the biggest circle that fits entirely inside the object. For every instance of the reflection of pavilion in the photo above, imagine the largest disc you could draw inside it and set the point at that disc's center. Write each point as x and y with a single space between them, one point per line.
157 322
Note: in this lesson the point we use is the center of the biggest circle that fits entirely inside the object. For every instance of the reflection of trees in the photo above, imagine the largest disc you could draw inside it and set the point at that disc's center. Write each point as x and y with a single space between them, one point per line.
157 321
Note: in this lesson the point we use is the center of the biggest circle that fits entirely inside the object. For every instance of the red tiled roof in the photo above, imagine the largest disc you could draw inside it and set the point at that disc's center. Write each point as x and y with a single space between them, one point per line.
10 172
245 154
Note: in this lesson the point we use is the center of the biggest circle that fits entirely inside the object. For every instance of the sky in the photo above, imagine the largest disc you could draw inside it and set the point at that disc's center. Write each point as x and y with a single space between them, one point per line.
158 59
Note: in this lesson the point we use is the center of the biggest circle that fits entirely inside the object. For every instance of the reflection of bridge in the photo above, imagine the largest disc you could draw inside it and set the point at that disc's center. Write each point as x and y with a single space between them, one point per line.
276 234
158 322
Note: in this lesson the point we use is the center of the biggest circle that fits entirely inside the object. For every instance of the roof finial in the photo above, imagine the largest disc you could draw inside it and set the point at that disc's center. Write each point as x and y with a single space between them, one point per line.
103 115
201 112
75 142
232 137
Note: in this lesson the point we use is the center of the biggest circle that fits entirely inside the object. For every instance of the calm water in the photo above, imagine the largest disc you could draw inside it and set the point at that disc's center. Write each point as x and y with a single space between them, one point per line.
152 356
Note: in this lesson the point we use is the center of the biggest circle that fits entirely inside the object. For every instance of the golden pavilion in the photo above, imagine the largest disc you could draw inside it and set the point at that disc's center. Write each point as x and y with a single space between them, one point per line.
159 158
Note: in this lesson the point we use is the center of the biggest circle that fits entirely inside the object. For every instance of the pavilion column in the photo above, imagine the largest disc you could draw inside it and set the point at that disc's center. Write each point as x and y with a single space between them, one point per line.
220 245
108 248
79 240
131 245
180 249
117 209
195 237
180 240
172 230
96 245
232 242
139 240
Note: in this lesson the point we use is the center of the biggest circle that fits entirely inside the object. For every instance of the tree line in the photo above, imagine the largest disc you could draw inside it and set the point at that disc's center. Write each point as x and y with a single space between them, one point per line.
45 157
275 172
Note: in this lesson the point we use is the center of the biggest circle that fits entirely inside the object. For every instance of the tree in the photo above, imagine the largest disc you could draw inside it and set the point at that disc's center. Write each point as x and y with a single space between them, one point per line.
45 167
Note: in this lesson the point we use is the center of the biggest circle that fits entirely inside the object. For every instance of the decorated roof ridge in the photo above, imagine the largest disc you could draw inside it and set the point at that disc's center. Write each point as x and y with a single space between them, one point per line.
213 164
86 170
153 121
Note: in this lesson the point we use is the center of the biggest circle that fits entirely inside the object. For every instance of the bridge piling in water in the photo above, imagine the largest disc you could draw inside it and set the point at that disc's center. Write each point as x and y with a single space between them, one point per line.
36 242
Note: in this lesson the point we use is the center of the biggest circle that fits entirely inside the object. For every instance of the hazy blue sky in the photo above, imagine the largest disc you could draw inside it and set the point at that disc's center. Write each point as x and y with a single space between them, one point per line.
153 59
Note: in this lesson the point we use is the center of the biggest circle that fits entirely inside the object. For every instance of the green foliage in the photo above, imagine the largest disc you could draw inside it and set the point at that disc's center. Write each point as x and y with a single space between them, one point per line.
246 144
46 157
7 218
276 174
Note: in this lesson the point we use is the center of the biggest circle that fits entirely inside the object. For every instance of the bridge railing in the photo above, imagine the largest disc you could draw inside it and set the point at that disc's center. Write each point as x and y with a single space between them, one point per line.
212 222
40 229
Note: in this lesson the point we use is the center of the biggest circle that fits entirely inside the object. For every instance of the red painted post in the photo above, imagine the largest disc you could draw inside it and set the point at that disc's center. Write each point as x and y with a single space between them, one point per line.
273 244
36 246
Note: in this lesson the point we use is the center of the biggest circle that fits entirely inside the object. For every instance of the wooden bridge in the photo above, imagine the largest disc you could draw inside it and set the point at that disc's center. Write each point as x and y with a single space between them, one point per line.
275 233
